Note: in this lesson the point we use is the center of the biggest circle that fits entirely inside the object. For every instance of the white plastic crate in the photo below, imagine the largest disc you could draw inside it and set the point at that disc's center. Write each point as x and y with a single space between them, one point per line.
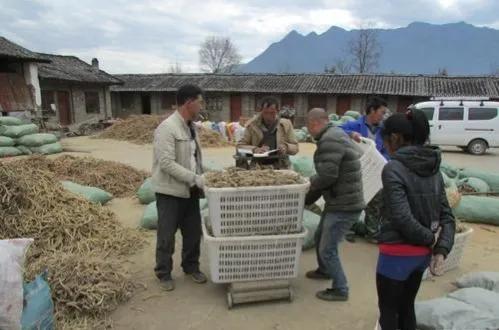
253 258
248 211
453 260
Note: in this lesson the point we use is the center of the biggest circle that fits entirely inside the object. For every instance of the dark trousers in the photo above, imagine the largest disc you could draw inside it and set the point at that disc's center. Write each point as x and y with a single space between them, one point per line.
177 213
396 301
318 233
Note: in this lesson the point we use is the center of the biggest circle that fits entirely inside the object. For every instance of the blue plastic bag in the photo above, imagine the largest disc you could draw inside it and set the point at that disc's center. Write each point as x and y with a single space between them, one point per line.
38 311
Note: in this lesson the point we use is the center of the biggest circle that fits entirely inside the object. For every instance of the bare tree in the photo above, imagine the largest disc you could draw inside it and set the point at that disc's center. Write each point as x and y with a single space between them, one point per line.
365 50
218 55
442 72
175 68
341 66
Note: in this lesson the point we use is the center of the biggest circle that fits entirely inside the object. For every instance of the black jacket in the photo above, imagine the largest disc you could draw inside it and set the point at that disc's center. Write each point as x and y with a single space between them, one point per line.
415 203
339 177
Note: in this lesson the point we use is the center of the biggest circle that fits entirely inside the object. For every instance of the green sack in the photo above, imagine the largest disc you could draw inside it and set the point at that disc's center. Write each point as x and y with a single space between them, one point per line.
16 132
478 209
303 165
25 150
337 123
354 114
6 141
38 307
301 136
150 218
92 194
334 117
311 223
449 170
145 194
490 178
448 182
473 185
48 149
203 204
345 119
10 152
10 121
212 166
37 140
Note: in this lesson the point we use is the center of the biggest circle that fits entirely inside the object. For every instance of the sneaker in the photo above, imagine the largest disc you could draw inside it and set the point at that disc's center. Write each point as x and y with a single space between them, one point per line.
317 275
167 285
198 277
332 295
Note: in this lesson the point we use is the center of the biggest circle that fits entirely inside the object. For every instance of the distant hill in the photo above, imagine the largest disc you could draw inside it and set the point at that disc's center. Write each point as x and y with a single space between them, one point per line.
460 48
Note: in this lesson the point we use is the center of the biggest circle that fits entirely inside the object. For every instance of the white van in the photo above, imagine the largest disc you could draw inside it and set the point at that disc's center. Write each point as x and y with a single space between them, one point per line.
471 124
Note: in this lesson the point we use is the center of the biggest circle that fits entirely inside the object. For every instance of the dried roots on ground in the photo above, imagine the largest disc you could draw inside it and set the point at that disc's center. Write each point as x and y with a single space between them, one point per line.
140 130
235 177
136 129
211 139
78 242
118 179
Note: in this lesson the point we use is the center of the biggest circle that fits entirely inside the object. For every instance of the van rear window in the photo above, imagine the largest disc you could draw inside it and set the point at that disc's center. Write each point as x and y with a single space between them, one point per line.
482 113
451 114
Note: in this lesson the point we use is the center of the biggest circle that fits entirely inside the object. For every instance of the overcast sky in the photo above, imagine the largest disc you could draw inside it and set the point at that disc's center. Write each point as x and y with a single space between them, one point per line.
147 36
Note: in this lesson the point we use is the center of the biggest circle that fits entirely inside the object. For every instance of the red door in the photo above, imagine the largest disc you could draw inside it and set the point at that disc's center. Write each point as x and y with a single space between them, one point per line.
317 101
403 103
288 100
343 104
235 107
64 108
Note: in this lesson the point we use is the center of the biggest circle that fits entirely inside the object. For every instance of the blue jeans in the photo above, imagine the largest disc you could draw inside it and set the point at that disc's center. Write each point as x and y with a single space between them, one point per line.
332 231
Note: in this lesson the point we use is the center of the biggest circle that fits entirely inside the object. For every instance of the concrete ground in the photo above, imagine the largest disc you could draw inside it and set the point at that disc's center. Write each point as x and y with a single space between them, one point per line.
193 306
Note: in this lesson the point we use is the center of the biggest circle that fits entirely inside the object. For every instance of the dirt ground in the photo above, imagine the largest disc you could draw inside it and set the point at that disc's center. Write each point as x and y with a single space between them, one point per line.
193 306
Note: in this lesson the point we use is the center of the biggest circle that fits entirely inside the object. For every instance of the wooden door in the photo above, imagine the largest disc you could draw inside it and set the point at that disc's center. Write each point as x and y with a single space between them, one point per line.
343 104
403 103
64 108
235 107
288 100
317 101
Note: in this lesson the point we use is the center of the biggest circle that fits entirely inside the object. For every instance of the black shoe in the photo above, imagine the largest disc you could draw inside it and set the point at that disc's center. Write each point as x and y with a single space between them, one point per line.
167 284
332 295
198 277
317 275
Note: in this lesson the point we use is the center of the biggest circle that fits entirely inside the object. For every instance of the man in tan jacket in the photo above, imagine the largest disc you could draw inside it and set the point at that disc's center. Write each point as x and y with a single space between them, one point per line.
266 131
177 181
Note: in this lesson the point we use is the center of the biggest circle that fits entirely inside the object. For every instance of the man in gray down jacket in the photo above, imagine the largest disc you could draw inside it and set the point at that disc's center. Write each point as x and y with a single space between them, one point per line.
339 181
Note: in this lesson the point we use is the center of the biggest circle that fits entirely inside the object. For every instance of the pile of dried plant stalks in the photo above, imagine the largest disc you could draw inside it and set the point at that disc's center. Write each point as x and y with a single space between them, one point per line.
211 139
80 243
118 179
140 130
136 129
236 177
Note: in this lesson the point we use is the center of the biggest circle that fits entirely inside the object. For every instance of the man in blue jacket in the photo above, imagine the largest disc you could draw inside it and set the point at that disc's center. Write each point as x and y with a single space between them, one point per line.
369 126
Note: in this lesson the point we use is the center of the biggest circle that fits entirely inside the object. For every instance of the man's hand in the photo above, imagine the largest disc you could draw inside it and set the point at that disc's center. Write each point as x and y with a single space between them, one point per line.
261 150
283 149
356 137
199 180
436 264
